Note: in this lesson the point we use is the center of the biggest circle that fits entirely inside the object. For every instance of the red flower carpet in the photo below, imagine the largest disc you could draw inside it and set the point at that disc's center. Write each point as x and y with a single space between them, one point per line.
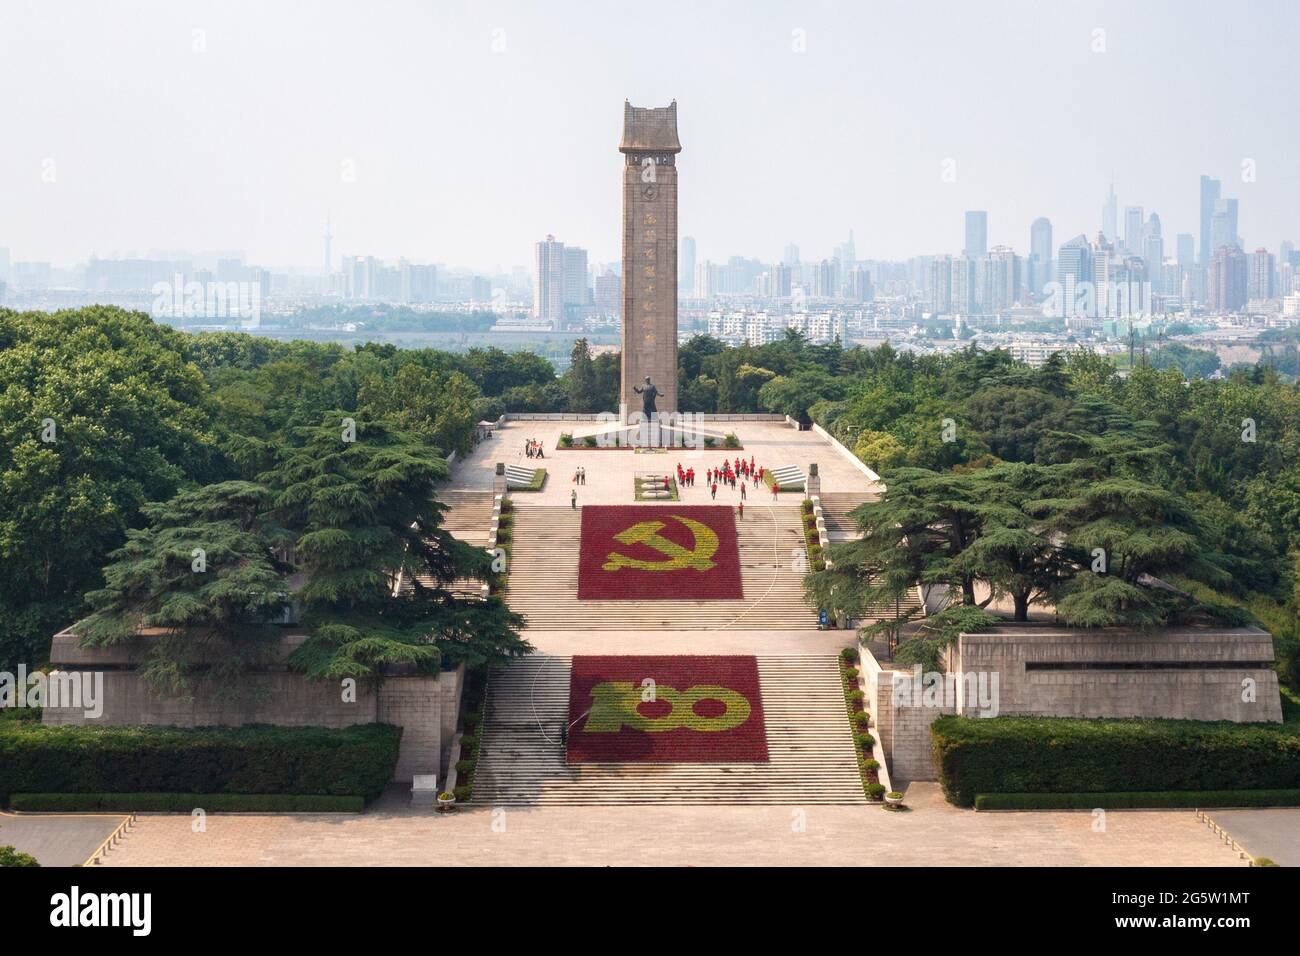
680 709
667 552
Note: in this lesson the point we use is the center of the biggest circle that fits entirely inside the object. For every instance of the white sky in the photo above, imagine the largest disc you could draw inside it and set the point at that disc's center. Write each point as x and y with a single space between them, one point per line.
466 155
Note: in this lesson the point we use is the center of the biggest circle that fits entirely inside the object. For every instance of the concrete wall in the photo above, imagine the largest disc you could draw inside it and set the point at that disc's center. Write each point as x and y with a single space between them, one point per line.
1208 686
1215 662
425 707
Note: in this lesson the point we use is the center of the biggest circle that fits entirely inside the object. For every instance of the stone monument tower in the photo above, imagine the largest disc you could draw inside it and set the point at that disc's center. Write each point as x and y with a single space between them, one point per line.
649 338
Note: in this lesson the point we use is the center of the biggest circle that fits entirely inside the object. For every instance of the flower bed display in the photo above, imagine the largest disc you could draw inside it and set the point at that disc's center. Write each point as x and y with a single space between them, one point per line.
681 709
658 552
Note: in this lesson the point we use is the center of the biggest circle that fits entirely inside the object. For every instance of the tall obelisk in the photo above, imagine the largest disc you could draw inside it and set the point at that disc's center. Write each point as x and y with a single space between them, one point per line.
649 338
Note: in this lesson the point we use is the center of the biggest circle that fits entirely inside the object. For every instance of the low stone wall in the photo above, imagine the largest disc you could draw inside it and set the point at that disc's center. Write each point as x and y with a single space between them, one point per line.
852 458
1174 673
425 707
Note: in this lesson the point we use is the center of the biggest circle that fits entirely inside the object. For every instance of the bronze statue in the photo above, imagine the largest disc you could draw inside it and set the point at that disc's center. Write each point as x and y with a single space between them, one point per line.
648 396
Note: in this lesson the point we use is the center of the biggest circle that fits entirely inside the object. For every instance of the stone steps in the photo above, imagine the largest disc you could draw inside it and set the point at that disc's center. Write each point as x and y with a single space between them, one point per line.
809 740
836 507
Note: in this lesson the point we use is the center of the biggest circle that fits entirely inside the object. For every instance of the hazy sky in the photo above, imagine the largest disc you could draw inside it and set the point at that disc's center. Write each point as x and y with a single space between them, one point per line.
476 128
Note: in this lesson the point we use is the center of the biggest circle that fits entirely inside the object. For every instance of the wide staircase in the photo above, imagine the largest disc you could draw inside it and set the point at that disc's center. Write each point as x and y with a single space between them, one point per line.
469 519
811 758
468 516
836 507
543 584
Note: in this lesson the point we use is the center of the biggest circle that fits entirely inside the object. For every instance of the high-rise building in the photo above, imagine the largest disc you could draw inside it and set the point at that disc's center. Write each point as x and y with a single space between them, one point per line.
1040 254
1073 268
963 285
791 254
1259 282
1223 225
941 285
649 335
859 284
576 294
1186 249
1153 253
977 234
686 266
780 280
1227 279
548 281
418 283
1110 215
608 289
1209 197
1133 221
1002 279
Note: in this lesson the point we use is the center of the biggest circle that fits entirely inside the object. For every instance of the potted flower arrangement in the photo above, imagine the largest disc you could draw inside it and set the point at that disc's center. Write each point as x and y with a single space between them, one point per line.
894 798
446 801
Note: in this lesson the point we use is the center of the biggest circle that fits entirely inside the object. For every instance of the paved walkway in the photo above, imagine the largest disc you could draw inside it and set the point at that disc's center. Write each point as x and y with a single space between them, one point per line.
58 839
1271 833
610 471
931 833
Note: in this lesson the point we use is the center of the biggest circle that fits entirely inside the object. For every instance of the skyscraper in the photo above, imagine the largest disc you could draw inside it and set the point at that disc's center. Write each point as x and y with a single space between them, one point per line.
686 266
1133 220
649 335
1040 254
1223 225
548 280
1228 279
1153 253
963 285
1109 214
1209 196
1073 267
941 285
1186 249
1259 283
977 234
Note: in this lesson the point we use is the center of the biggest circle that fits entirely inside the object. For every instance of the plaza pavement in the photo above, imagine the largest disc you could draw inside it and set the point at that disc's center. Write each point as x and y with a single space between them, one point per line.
63 839
610 471
931 833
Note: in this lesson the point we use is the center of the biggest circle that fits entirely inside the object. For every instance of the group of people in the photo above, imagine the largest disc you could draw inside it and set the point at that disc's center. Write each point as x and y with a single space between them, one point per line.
580 476
736 474
533 449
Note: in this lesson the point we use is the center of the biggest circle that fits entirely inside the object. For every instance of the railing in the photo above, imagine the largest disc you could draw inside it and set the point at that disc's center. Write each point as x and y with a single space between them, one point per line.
113 839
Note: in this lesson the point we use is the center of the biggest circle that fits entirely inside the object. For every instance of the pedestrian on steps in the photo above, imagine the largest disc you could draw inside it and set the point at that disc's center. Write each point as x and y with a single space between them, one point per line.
573 499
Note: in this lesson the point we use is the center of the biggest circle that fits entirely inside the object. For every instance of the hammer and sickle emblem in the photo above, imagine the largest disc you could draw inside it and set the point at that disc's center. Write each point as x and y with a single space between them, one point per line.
699 557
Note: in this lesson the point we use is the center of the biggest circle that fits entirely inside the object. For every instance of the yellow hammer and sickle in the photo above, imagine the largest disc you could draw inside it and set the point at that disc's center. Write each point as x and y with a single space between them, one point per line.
678 558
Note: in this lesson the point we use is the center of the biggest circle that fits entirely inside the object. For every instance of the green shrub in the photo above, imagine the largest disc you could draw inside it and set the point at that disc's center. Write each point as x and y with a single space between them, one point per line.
466 767
463 793
871 765
1160 800
851 673
186 802
730 440
862 719
849 654
866 741
11 857
1264 861
468 741
589 441
856 697
352 761
1059 755
875 791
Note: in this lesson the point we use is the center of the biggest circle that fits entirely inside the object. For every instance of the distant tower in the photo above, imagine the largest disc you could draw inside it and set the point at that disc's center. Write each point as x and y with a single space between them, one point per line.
649 338
329 236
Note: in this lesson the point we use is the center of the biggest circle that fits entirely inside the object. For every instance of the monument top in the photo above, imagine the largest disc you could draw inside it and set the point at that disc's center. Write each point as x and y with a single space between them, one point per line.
650 129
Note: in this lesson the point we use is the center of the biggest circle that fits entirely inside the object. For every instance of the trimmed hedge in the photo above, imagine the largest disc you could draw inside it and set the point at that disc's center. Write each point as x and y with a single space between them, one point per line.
1003 755
352 761
1160 800
187 802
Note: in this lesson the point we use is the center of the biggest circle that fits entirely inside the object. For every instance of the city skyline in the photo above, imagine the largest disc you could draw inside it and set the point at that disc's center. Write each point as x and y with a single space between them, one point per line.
486 173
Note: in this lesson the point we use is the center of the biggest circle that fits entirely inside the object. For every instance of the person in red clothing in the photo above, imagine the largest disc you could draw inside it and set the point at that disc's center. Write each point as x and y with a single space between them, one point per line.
741 508
742 491
714 491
